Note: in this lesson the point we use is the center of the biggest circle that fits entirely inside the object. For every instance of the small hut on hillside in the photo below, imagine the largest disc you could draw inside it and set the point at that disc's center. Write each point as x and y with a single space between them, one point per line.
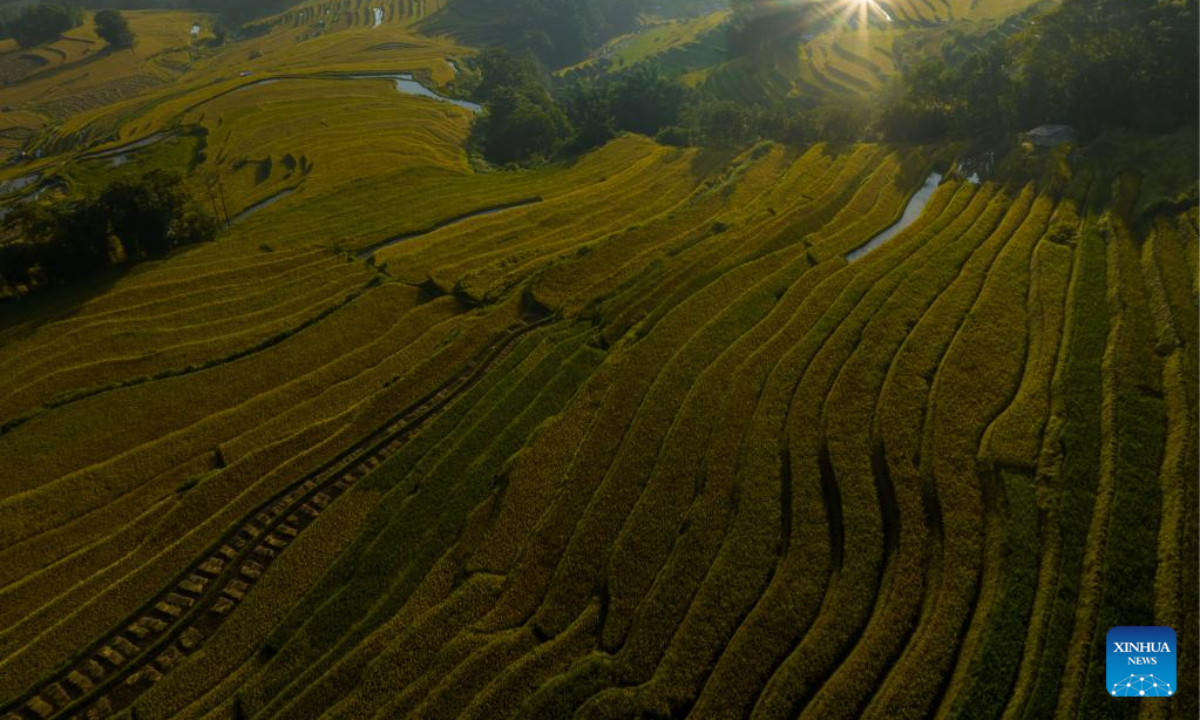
1049 136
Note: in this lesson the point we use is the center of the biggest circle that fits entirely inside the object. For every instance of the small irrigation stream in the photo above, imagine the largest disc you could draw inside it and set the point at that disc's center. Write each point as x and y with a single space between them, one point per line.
120 154
261 204
19 183
912 211
406 84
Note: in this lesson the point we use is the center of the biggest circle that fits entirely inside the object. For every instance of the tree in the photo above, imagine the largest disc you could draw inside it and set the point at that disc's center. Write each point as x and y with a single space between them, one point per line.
68 240
16 260
843 119
499 68
522 125
112 27
782 124
43 22
1093 64
153 213
589 109
522 122
644 101
758 24
722 124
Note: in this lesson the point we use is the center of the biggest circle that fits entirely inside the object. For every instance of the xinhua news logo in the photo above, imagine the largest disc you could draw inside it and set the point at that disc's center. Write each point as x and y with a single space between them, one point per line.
1141 662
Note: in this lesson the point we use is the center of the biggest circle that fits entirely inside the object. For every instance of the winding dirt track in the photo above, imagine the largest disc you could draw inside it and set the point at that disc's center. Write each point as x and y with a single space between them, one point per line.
110 674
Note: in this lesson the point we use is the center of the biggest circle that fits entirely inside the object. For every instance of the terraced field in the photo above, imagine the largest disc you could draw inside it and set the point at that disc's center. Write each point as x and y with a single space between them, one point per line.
629 435
847 50
682 42
78 72
678 458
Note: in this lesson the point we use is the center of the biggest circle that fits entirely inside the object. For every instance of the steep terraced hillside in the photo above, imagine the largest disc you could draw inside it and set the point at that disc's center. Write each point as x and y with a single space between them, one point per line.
658 432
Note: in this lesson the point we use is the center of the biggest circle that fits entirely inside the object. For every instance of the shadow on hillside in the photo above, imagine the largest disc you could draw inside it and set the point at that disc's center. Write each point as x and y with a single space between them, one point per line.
710 160
21 318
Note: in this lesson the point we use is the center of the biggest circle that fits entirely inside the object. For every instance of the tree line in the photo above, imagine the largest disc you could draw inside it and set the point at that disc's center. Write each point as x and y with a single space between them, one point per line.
130 220
532 118
43 22
1094 64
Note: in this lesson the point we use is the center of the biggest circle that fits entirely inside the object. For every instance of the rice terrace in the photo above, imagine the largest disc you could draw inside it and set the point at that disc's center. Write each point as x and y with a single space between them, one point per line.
599 359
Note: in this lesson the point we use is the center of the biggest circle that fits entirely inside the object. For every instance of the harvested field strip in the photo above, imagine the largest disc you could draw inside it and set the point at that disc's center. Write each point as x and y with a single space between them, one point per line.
443 466
182 629
233 484
402 465
261 473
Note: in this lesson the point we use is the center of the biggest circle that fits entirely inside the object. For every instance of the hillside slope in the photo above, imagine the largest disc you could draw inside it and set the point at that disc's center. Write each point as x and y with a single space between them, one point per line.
649 432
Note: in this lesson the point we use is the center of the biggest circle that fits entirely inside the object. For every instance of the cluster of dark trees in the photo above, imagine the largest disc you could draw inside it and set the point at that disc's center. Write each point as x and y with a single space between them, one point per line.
1094 64
758 24
524 121
131 220
557 32
35 24
529 119
113 29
